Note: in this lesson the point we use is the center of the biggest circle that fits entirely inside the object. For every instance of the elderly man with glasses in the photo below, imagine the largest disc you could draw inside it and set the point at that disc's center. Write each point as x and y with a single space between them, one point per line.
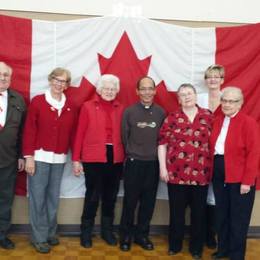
12 113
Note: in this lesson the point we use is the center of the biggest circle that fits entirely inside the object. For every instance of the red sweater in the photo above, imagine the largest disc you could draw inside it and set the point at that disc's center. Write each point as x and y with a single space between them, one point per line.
91 135
242 148
44 129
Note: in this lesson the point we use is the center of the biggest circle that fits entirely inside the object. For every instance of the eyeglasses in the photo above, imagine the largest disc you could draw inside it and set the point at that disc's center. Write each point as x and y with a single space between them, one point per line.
189 94
59 81
229 101
146 89
109 89
4 75
213 77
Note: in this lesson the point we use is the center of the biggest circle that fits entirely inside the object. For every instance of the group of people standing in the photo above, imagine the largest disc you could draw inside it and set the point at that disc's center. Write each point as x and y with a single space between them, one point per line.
207 152
209 158
105 133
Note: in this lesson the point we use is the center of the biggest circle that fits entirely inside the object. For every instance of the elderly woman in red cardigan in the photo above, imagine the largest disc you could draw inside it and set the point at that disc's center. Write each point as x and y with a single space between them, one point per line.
98 150
236 147
185 164
47 138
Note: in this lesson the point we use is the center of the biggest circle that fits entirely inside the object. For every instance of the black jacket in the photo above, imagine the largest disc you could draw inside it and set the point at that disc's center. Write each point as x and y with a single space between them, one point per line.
11 133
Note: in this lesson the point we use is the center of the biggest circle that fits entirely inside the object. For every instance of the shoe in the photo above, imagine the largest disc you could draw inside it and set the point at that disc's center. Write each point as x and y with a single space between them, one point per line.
42 248
6 243
211 245
218 256
125 244
86 241
107 231
173 252
53 241
109 237
144 242
211 242
196 256
86 233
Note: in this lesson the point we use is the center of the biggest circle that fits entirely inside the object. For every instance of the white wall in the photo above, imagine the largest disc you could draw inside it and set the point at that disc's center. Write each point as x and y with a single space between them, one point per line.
240 11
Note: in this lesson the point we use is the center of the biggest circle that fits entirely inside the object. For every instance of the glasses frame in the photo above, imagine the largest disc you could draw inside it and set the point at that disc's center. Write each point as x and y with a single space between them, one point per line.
150 89
229 101
5 75
59 81
214 77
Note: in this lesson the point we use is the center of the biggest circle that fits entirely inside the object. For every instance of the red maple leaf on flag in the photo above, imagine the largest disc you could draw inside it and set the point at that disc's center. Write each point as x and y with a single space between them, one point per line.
168 100
125 64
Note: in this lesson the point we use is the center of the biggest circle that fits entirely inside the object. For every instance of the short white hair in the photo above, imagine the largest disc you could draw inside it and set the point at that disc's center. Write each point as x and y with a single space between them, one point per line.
234 90
108 78
3 64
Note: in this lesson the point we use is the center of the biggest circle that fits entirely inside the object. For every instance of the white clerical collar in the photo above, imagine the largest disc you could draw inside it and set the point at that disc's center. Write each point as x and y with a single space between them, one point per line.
146 106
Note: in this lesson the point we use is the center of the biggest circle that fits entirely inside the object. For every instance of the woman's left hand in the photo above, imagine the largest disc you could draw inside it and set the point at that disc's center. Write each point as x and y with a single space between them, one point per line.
77 168
164 175
244 189
30 165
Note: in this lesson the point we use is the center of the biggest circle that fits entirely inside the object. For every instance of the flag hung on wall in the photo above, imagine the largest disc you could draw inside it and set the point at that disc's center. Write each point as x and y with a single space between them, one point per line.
129 48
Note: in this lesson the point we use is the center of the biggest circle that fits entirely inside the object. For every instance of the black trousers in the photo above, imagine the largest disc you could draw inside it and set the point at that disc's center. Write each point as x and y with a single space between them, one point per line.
181 196
233 213
210 224
7 190
102 182
140 186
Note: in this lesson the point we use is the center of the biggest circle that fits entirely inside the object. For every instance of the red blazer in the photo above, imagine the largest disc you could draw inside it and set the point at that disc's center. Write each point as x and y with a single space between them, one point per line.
90 140
45 129
242 148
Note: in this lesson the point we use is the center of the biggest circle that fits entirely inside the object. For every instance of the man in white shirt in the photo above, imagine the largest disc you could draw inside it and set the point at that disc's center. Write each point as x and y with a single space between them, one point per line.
12 113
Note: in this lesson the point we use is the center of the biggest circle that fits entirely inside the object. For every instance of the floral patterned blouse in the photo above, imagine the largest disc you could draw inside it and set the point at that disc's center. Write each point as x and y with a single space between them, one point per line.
188 157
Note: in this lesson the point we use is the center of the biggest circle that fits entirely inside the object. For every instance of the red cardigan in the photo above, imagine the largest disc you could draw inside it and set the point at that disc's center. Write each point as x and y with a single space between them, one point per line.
45 129
242 148
90 140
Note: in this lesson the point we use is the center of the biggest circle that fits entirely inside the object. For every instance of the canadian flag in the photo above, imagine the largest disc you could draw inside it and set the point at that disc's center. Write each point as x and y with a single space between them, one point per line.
129 48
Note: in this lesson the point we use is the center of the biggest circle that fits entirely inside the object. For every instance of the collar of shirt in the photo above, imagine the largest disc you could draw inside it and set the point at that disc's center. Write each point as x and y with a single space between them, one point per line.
4 93
232 115
53 102
220 143
3 105
146 107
